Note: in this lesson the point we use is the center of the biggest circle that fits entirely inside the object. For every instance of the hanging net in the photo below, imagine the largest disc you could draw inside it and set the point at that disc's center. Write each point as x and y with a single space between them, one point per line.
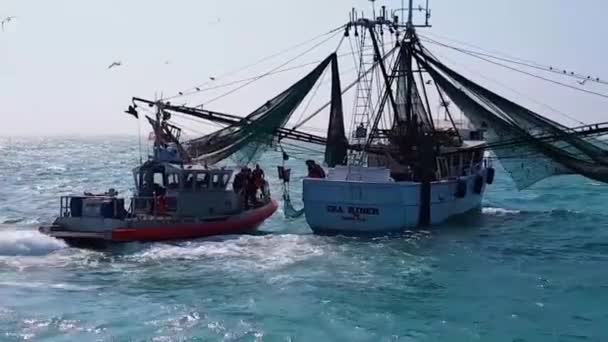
246 140
529 146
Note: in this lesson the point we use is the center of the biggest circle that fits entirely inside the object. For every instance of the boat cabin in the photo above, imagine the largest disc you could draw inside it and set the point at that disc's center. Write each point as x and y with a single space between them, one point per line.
183 190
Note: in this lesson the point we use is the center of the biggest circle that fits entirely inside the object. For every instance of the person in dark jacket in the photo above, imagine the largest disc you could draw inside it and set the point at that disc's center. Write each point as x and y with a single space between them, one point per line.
239 181
315 170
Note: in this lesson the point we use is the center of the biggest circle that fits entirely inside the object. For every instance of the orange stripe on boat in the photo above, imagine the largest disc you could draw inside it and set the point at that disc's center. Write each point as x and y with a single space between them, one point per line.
246 222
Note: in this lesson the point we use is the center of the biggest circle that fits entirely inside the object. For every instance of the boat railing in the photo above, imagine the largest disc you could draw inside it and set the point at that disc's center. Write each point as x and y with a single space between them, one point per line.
156 206
91 206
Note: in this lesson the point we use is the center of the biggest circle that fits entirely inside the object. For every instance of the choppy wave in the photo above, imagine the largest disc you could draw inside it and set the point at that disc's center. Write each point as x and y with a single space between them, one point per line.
41 285
292 285
27 243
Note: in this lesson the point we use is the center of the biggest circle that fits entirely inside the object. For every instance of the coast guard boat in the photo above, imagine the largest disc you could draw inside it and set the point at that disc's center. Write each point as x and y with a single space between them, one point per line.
174 199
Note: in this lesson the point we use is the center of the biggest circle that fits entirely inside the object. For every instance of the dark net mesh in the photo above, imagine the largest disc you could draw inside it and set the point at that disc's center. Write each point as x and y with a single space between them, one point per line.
245 141
529 146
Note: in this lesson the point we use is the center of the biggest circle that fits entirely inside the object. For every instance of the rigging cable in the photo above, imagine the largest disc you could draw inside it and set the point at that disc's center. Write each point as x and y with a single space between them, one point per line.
319 83
315 113
272 70
224 85
262 60
517 70
557 111
520 61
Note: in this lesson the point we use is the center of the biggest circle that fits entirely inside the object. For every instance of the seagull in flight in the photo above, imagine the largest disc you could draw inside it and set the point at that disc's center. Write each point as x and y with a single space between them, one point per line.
7 20
115 64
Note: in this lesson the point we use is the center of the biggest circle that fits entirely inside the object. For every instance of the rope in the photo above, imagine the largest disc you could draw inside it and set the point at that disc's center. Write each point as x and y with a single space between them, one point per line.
224 85
515 91
520 61
472 54
311 116
262 60
269 72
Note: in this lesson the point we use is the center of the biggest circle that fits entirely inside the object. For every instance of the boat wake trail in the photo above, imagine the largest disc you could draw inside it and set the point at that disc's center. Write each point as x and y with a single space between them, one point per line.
27 243
244 252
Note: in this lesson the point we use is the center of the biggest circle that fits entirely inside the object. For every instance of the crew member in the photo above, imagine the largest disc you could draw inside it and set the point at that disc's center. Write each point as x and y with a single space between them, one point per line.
314 170
239 181
250 190
258 176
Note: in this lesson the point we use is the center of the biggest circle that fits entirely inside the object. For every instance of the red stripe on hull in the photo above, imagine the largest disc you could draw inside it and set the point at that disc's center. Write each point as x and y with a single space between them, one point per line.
246 223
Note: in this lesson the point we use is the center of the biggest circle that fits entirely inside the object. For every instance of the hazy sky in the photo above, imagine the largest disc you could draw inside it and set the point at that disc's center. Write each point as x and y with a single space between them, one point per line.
54 56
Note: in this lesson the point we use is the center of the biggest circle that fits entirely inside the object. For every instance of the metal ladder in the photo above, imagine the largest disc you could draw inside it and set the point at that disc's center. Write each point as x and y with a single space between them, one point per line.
363 105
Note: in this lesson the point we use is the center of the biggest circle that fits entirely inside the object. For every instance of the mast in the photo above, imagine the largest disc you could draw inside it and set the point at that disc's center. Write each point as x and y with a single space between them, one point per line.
409 17
410 35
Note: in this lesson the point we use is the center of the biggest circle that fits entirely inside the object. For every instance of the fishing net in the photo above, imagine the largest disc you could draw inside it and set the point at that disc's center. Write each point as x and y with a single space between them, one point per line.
246 140
529 146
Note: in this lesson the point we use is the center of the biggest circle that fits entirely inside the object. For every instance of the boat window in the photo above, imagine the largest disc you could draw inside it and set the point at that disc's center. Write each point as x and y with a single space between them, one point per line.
189 183
216 180
173 181
159 178
202 181
225 180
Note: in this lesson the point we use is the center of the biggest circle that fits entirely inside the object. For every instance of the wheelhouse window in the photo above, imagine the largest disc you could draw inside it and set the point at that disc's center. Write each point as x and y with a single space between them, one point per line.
202 181
189 180
216 180
159 178
225 179
173 181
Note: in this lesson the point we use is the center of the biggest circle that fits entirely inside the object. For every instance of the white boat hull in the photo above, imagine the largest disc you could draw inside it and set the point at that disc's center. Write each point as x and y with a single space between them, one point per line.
371 207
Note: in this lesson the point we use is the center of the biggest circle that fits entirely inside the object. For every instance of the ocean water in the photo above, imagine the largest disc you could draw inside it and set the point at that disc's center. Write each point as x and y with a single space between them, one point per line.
531 266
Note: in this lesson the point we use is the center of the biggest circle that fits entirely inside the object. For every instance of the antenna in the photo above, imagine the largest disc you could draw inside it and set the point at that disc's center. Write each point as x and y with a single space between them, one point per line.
373 9
410 8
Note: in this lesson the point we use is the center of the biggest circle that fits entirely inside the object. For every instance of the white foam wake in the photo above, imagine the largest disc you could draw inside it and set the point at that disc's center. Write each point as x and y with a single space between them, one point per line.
251 252
27 242
499 211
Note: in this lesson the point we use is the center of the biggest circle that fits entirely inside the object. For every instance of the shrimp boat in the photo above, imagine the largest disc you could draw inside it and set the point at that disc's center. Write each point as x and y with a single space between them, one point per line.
399 165
174 199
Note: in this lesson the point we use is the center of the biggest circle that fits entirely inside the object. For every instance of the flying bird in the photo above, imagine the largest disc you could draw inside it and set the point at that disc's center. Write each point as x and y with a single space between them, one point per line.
7 20
115 64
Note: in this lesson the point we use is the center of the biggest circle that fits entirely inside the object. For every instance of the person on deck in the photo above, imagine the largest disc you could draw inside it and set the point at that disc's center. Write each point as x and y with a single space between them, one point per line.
314 170
239 181
258 176
250 190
